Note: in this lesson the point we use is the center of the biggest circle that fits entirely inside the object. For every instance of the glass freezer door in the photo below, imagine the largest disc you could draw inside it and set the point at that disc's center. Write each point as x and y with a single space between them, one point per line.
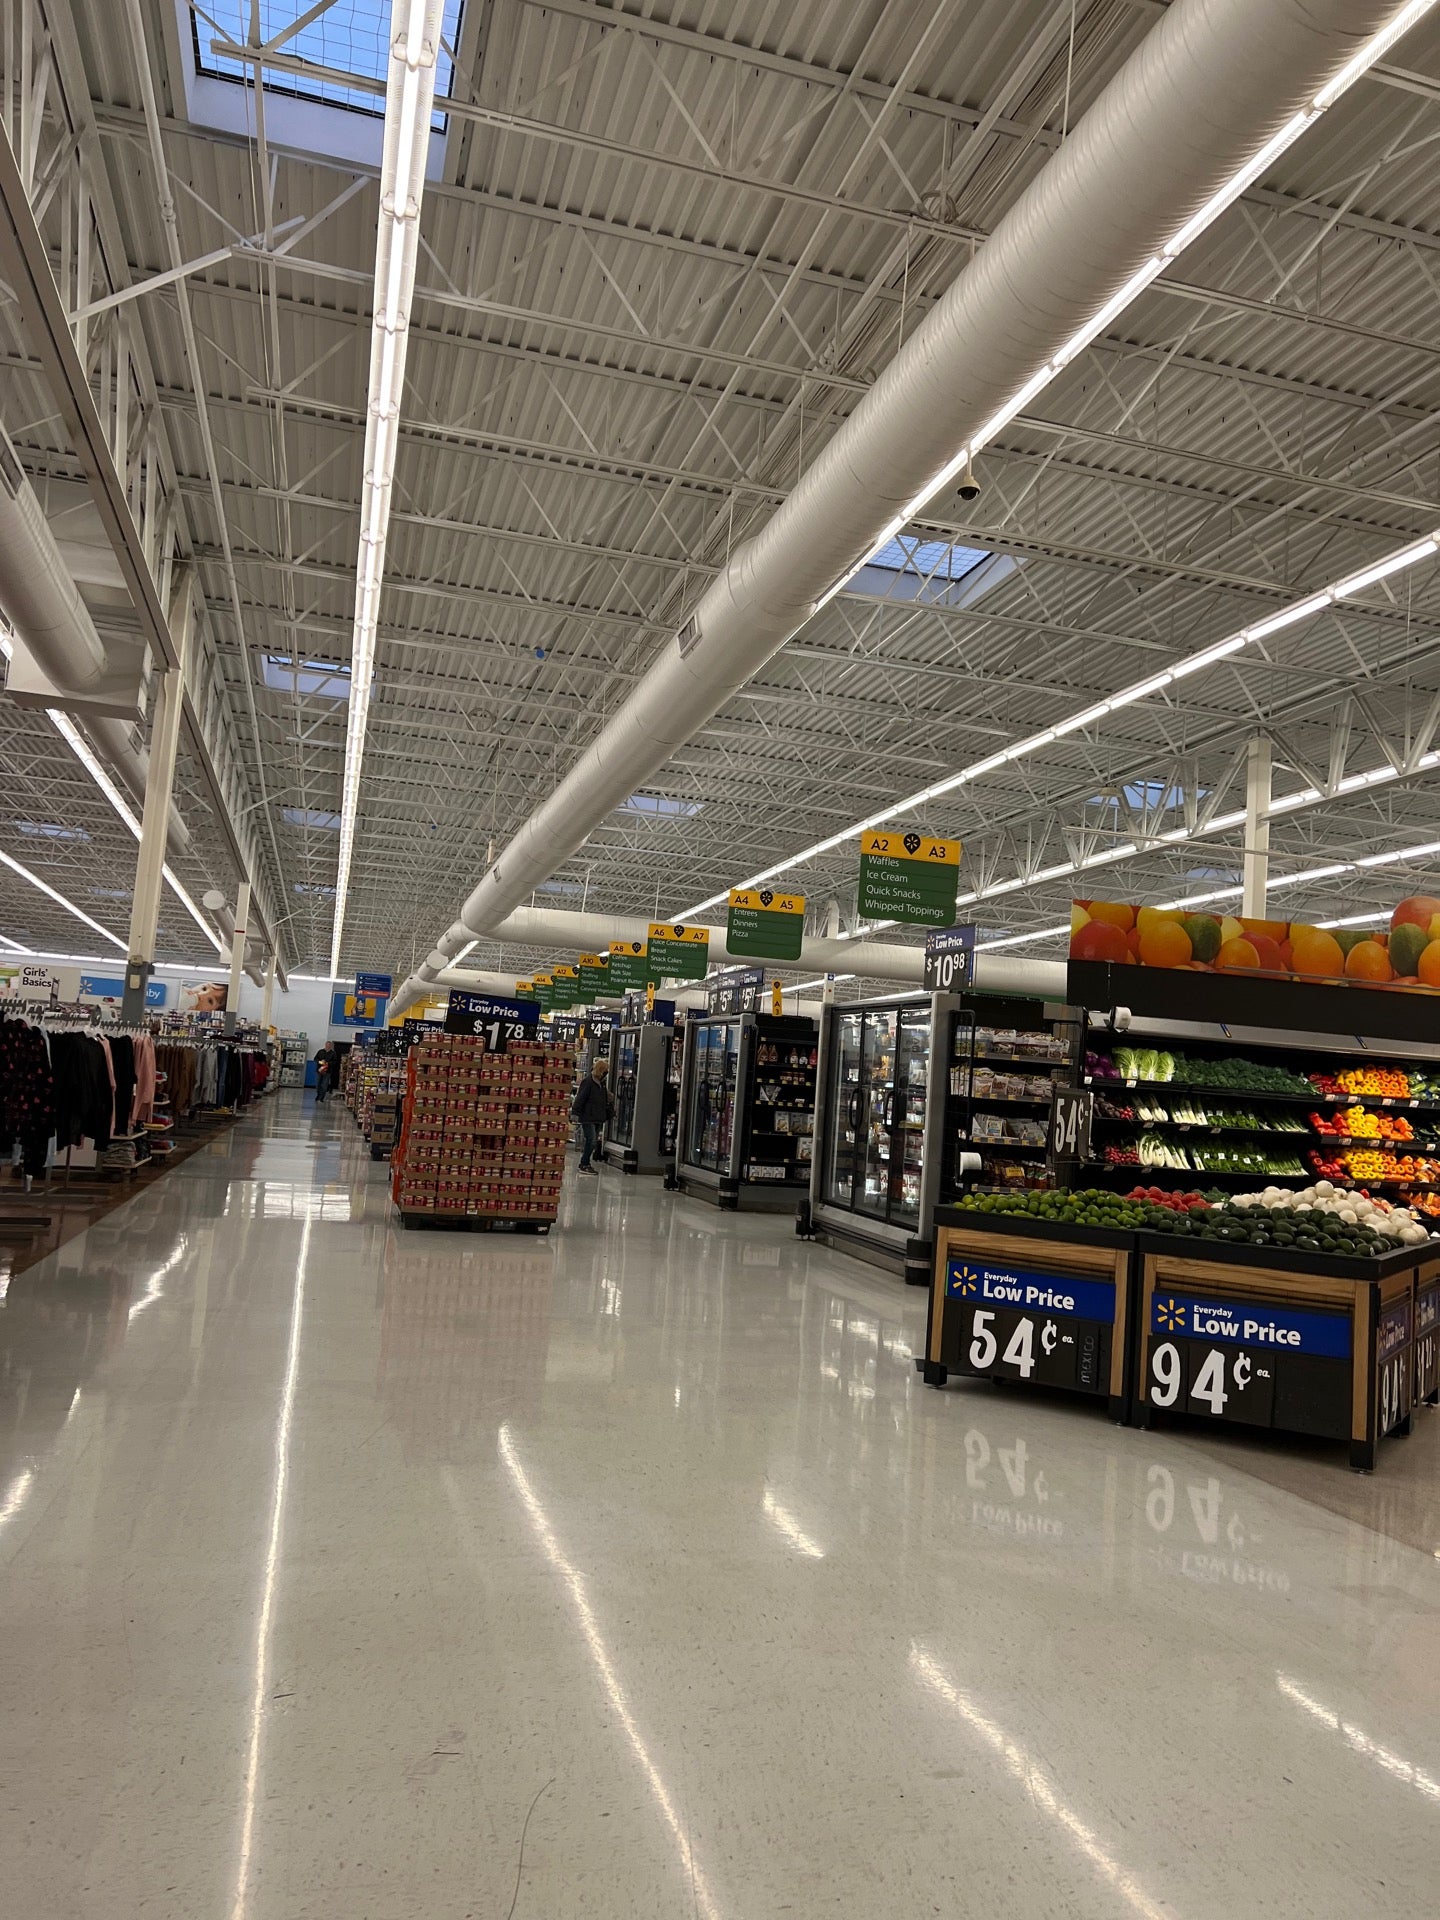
908 1133
877 1104
624 1054
844 1113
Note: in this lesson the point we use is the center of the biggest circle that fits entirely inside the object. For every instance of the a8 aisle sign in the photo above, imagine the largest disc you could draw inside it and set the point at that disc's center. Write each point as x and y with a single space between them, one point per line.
1019 1324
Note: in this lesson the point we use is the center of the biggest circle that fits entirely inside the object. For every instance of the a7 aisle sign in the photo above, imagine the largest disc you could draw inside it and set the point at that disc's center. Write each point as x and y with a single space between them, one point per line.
676 952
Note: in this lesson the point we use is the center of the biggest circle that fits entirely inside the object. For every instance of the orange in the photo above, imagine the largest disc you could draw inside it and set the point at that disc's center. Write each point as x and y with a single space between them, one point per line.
1429 968
1148 917
1267 950
1368 960
1165 943
1237 953
1315 952
1115 911
1099 940
1275 930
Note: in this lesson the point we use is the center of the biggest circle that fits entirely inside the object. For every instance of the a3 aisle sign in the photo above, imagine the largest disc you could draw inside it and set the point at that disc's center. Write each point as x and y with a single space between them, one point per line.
677 952
908 876
764 924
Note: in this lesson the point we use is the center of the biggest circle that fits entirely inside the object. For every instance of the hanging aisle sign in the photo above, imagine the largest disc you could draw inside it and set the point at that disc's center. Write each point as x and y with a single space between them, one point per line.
676 952
565 987
525 990
594 972
909 877
544 986
763 924
629 968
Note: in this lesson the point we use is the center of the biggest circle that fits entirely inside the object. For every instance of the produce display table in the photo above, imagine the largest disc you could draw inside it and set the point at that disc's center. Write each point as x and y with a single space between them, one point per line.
1036 1301
1303 1343
1296 1340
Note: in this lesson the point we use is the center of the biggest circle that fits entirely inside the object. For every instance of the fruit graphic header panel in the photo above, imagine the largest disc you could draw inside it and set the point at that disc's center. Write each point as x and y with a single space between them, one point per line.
1402 954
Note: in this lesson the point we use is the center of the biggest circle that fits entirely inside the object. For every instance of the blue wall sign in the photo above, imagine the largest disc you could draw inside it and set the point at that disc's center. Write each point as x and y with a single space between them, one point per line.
1250 1323
357 1010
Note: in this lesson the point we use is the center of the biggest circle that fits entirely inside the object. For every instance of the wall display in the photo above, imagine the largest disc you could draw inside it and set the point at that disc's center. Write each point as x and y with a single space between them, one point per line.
107 990
765 923
908 876
374 985
350 1010
594 976
500 1021
1405 955
676 952
629 966
949 959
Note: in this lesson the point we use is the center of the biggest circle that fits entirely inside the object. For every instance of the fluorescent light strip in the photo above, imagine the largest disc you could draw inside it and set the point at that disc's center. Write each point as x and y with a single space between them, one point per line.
60 900
409 100
77 744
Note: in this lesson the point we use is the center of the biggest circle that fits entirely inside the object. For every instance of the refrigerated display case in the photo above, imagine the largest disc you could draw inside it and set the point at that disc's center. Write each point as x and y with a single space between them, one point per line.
747 1109
640 1083
869 1191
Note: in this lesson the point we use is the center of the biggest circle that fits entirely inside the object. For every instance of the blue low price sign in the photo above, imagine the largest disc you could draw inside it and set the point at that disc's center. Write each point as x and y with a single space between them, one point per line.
949 959
500 1021
376 986
1015 1323
1261 1362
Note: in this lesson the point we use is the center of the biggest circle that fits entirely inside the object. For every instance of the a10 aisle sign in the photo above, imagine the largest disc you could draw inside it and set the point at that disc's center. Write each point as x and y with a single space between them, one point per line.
678 952
1015 1323
909 877
594 972
763 924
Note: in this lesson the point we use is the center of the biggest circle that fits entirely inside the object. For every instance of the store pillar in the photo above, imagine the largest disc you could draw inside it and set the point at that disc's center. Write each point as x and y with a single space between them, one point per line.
169 702
1256 868
269 996
237 956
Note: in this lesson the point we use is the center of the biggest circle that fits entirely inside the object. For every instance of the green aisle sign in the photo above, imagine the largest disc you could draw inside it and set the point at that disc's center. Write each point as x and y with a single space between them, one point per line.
765 925
525 990
629 968
544 987
678 953
908 876
594 978
565 991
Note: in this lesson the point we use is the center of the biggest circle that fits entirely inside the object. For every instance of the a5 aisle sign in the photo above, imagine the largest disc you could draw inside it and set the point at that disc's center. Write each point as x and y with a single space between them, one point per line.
1019 1324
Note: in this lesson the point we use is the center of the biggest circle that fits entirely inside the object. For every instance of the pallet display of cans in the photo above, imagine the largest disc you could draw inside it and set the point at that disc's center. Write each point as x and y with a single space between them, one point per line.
483 1135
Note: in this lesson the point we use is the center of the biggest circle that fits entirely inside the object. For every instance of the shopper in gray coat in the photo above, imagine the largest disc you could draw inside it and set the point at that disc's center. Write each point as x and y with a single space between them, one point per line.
592 1107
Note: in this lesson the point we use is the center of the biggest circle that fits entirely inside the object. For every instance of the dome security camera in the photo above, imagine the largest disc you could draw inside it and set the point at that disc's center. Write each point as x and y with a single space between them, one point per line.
969 485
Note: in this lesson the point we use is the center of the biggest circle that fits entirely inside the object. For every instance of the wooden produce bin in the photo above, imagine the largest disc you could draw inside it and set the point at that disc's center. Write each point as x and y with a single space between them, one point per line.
1031 1301
1425 1370
1261 1337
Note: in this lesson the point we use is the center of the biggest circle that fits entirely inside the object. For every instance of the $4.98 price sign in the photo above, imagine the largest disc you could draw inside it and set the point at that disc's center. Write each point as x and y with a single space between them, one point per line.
1021 1325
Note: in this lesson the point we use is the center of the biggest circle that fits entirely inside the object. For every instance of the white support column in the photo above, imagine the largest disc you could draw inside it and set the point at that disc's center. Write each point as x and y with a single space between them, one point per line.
269 995
1256 868
237 955
169 702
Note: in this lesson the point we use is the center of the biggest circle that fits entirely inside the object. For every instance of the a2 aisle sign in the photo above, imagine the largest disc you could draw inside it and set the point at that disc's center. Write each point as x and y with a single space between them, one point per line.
499 1021
908 876
1019 1324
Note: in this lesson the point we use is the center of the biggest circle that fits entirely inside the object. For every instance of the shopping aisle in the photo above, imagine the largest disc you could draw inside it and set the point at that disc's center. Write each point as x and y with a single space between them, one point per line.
338 1566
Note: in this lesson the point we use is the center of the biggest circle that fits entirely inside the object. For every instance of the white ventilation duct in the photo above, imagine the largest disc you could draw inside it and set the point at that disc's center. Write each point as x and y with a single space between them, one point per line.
130 765
1214 84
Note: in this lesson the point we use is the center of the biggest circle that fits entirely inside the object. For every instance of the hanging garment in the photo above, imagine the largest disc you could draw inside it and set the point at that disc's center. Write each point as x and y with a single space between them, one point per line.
122 1060
83 1092
143 1109
27 1104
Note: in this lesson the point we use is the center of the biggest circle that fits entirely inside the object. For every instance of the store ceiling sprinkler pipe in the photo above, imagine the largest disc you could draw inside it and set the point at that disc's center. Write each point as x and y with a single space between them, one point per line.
1210 85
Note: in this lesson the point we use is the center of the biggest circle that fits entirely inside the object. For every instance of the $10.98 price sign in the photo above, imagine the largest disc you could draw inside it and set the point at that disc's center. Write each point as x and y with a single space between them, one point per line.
1017 1324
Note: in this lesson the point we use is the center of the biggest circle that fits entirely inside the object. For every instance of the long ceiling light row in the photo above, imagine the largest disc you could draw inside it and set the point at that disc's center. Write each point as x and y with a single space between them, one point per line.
1304 609
409 104
73 739
1373 49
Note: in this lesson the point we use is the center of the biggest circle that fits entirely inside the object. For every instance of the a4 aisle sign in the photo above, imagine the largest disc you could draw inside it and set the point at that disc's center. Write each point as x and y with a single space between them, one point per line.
764 924
676 952
1020 1324
908 876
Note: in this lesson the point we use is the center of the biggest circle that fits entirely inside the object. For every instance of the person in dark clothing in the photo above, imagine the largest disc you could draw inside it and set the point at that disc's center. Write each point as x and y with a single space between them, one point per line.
592 1107
324 1068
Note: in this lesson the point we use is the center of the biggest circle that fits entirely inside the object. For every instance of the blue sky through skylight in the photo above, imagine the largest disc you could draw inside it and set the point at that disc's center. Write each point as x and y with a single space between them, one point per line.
352 35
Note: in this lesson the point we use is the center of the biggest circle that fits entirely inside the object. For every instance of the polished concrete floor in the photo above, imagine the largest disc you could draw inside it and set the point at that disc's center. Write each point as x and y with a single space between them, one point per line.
350 1574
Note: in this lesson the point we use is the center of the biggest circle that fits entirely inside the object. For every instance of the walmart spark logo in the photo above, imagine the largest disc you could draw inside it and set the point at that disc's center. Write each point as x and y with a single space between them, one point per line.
968 1282
1171 1316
